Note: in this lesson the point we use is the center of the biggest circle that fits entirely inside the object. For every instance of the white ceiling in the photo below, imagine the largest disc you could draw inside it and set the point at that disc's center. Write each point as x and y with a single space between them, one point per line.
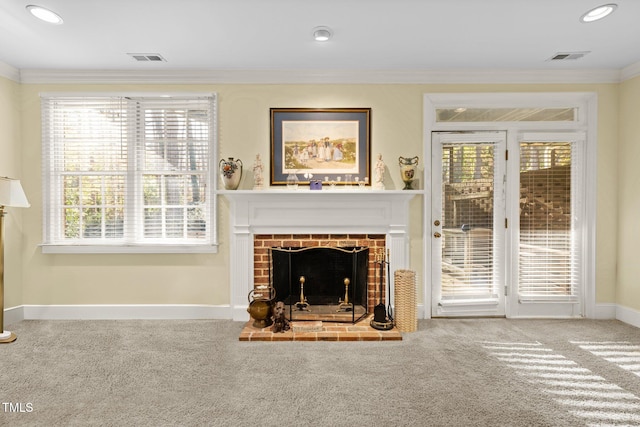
369 35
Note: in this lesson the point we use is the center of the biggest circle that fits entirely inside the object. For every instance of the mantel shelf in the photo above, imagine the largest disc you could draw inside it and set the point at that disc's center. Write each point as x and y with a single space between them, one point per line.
338 191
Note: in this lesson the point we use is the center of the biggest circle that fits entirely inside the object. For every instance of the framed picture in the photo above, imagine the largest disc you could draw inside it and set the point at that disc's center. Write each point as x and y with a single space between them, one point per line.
326 144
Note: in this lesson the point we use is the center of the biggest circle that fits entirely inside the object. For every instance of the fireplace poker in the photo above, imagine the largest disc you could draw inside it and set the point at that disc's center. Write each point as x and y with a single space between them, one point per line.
380 320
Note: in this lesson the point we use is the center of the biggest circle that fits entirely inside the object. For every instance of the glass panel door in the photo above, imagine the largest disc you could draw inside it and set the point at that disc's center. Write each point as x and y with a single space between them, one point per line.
550 217
468 229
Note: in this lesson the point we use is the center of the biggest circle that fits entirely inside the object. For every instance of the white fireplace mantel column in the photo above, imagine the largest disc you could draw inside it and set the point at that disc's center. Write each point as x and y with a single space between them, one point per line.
304 211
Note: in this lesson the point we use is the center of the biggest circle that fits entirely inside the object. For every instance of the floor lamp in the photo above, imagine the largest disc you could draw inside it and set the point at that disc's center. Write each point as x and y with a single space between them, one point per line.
11 195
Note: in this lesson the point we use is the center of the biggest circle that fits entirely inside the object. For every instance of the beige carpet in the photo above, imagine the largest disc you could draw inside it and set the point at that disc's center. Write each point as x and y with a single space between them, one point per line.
473 372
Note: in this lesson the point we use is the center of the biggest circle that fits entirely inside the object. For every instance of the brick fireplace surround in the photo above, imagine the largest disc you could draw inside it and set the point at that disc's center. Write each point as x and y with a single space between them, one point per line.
375 242
268 218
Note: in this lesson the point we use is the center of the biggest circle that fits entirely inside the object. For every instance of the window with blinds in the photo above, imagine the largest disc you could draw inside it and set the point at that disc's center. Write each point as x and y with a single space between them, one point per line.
549 244
468 186
126 171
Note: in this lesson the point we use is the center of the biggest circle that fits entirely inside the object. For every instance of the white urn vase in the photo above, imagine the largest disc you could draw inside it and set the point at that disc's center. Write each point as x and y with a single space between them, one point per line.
230 173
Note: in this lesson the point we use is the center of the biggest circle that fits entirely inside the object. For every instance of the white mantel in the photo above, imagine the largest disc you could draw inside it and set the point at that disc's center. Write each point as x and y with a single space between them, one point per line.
304 211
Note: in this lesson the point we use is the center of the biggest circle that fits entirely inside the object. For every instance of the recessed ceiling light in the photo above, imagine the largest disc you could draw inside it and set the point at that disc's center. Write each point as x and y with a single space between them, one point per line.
598 13
44 14
322 34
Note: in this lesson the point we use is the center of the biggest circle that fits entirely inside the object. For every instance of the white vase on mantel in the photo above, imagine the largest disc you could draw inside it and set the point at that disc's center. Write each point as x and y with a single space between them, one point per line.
230 173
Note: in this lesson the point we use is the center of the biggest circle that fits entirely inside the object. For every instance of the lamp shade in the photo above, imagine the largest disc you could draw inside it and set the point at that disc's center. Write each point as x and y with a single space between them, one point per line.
11 193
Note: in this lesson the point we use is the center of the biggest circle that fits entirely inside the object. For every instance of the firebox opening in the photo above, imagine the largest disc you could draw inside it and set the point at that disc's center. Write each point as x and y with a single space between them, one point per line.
321 283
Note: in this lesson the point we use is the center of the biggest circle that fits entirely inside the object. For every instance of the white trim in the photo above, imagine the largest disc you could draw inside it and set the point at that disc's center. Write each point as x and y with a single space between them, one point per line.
605 311
630 71
9 72
587 102
13 315
124 249
126 311
306 76
590 205
305 211
628 315
131 94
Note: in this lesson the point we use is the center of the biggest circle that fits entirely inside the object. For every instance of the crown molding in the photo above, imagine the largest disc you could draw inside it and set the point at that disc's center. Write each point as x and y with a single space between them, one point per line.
470 76
630 71
9 72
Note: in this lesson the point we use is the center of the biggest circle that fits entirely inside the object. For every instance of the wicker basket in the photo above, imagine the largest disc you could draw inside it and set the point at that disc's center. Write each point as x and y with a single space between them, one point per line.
405 300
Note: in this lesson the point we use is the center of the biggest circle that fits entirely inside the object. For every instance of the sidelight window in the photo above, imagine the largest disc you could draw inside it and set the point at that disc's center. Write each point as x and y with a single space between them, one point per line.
550 219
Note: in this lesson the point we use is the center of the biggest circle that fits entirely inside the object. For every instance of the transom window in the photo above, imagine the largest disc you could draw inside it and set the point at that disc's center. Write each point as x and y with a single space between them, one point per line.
462 114
128 173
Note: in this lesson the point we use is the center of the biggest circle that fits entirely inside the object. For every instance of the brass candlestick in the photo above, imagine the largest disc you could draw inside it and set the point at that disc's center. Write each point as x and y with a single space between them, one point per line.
345 305
303 305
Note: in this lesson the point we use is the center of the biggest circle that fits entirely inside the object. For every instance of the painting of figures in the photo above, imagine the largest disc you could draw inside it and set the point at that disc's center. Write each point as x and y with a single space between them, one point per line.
325 144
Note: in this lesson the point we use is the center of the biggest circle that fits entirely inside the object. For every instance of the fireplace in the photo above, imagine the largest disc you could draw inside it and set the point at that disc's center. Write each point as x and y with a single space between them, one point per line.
322 282
270 218
264 245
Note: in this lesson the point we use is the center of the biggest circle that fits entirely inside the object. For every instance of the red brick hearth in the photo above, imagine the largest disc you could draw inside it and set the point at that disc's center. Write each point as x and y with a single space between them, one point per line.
321 331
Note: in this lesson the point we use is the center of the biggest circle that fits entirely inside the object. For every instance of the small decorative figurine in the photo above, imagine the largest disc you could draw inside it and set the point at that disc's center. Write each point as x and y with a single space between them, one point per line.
378 183
280 322
292 181
258 168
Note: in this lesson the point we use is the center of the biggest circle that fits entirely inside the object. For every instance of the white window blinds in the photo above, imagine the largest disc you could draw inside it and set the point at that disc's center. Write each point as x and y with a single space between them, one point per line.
549 243
469 261
128 171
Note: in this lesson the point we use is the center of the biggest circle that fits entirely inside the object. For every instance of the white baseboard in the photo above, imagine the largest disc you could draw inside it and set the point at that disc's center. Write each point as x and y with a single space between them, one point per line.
628 315
198 312
605 311
423 313
13 315
120 311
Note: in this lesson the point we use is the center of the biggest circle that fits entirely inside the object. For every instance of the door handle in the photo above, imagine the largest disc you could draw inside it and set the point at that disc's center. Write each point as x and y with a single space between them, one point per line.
437 235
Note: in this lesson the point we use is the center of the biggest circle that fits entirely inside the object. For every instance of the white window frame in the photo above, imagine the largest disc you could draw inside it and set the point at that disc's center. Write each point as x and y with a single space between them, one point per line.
586 121
211 246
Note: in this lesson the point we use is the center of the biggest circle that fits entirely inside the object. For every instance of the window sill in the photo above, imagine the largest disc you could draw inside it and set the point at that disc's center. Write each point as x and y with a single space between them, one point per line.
130 249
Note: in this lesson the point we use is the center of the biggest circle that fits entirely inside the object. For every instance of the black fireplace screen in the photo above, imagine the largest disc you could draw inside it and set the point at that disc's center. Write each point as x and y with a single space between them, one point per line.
321 283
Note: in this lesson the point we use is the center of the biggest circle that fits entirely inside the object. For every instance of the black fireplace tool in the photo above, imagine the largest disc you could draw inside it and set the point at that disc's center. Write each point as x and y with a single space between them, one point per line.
380 319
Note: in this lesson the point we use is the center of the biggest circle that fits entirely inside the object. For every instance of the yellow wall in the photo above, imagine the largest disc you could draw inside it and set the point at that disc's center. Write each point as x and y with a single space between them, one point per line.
397 129
10 165
628 176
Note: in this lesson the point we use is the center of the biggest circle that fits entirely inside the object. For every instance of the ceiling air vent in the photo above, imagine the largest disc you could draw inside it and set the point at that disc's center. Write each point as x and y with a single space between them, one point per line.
147 57
565 56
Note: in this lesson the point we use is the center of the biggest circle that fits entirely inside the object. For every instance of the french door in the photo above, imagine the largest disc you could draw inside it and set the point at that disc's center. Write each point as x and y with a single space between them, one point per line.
507 224
468 224
547 267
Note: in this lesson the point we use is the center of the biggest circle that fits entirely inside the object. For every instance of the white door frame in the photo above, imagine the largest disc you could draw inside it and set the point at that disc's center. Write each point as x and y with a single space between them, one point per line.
586 121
